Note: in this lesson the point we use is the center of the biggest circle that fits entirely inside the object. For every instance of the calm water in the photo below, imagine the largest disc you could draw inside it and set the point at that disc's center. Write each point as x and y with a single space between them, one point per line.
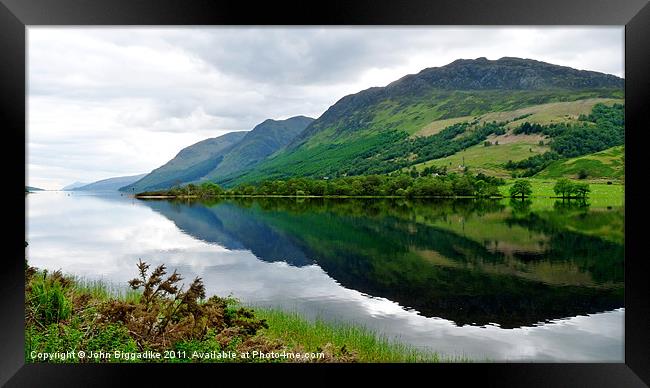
484 279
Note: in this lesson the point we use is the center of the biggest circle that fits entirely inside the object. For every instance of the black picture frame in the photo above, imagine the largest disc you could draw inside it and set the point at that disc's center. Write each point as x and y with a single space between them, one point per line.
17 15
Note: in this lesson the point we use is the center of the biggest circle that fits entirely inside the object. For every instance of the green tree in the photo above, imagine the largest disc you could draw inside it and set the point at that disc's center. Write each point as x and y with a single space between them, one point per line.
463 186
521 188
563 187
581 190
191 189
210 189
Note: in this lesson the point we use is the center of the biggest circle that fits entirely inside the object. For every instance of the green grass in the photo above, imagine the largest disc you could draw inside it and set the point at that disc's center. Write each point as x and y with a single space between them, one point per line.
607 164
602 194
369 346
489 160
60 327
103 290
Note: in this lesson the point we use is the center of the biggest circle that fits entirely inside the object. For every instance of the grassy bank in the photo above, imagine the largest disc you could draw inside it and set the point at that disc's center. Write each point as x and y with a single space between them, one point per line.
601 194
293 329
66 315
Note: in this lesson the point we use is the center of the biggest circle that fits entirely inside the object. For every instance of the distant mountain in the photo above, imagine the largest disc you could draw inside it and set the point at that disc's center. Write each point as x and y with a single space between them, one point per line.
31 188
362 126
228 155
110 184
189 164
73 186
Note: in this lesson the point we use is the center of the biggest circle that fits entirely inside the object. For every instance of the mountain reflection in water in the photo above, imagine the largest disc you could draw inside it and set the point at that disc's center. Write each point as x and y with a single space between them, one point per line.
473 262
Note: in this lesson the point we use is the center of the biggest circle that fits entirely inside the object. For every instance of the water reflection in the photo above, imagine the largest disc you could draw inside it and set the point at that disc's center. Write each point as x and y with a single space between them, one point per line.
471 262
433 274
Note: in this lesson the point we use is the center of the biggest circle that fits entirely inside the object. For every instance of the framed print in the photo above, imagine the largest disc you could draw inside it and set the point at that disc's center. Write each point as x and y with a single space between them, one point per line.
362 186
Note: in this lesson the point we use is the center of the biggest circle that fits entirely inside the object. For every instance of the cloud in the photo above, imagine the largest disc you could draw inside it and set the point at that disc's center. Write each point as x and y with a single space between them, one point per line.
119 101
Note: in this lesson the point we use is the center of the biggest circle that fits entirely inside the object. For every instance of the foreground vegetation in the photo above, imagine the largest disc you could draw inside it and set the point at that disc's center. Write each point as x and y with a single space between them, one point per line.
157 320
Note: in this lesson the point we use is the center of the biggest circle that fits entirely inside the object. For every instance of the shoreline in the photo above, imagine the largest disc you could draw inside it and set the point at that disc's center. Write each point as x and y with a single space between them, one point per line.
80 300
346 197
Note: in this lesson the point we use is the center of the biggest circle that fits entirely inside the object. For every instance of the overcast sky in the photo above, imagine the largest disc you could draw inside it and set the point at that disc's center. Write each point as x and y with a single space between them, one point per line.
106 102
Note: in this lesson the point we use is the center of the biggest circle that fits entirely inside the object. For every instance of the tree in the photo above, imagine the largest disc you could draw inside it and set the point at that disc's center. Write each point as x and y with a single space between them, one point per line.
211 189
581 190
191 189
463 186
521 188
563 187
481 188
246 189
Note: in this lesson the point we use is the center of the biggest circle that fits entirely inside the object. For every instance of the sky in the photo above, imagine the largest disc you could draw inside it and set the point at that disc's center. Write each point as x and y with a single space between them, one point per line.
107 102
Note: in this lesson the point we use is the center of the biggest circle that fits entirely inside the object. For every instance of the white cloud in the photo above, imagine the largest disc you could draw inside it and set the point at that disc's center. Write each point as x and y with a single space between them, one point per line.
117 101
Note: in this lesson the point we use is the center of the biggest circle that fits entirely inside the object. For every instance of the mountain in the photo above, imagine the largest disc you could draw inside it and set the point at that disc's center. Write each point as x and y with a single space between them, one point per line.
226 155
189 164
73 186
263 140
372 131
110 184
30 189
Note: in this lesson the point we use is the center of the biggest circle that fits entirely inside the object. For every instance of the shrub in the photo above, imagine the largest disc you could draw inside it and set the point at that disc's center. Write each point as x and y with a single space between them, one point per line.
582 174
167 314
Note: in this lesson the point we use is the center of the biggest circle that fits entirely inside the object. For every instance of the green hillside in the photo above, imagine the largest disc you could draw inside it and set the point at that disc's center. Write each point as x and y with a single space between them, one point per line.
263 140
549 113
605 164
491 159
381 130
507 117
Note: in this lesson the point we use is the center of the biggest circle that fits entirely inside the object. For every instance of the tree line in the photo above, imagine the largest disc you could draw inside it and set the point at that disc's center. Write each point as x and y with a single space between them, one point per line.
401 185
398 185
